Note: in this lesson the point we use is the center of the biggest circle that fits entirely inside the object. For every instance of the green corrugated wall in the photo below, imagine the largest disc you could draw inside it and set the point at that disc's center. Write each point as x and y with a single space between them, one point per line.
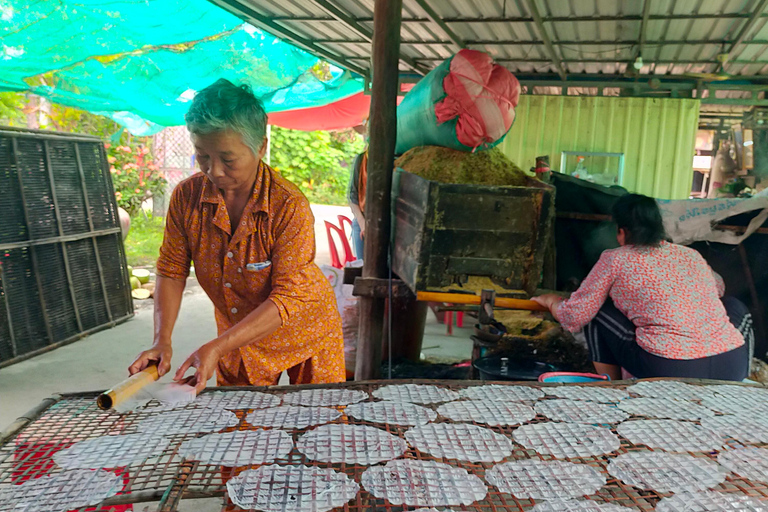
656 135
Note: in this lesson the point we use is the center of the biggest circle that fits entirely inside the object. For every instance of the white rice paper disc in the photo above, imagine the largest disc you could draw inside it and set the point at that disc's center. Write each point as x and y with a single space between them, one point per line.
239 448
574 411
738 404
669 389
711 501
666 472
461 442
750 463
415 393
237 400
423 483
567 440
60 492
579 506
351 444
487 412
111 451
665 408
292 417
324 397
188 421
545 480
502 393
291 489
391 413
670 435
741 427
598 394
736 391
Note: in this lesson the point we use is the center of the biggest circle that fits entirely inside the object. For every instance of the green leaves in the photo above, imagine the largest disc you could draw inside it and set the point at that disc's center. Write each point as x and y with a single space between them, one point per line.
319 163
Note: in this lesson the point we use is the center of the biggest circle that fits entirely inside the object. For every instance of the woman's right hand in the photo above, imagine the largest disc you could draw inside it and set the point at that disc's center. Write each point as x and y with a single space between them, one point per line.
160 354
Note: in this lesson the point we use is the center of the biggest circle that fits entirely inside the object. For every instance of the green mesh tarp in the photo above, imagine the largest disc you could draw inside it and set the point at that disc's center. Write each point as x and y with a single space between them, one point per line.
140 62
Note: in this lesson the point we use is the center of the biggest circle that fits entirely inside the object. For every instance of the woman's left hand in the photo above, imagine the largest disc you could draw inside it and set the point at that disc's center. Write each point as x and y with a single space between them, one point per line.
205 359
549 300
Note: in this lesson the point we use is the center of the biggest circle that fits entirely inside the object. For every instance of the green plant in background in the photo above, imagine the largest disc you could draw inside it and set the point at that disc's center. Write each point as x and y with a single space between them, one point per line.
144 240
319 163
135 176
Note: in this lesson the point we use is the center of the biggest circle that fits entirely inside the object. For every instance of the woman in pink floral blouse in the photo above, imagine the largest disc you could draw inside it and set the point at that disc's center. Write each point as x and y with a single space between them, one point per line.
655 308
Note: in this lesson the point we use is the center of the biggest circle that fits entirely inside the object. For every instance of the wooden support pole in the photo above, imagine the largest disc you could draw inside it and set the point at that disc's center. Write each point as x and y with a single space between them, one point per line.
381 160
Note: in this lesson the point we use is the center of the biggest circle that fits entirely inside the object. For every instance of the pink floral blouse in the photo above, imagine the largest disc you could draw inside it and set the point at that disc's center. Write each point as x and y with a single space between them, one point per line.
669 293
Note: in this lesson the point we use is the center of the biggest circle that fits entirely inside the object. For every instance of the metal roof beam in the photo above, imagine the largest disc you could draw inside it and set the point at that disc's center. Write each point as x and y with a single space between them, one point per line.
522 42
364 32
753 18
534 11
251 16
437 20
545 19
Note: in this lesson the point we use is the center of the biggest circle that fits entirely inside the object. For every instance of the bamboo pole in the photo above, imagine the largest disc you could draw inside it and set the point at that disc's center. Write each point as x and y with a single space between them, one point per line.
127 388
381 159
465 298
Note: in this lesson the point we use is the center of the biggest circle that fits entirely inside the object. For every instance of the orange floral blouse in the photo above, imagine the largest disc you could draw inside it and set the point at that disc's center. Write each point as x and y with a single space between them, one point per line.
270 256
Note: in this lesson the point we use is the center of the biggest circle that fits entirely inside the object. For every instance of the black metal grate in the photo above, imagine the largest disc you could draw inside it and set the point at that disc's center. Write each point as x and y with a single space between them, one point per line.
13 228
61 253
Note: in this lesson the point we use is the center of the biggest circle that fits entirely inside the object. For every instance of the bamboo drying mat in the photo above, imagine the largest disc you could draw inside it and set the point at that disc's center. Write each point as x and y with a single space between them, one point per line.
27 446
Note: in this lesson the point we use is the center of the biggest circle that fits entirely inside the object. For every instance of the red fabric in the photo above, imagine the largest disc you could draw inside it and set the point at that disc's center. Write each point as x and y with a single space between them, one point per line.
339 115
482 94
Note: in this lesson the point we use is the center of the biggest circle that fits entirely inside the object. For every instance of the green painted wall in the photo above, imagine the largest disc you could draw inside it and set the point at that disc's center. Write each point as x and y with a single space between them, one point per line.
657 137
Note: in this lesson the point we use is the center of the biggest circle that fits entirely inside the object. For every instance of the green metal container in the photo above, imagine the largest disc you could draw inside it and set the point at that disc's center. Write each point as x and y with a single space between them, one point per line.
449 237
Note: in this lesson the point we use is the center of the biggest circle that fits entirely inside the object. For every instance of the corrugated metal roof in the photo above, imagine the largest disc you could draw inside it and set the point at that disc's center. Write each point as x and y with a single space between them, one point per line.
590 37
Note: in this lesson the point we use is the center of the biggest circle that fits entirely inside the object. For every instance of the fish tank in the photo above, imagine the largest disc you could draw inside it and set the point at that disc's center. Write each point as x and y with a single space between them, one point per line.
605 169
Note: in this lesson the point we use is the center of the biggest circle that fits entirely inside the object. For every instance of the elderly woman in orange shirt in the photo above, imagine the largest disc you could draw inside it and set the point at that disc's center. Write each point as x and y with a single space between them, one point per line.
250 233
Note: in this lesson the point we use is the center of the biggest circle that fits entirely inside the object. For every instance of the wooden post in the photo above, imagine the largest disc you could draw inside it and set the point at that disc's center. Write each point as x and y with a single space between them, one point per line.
381 159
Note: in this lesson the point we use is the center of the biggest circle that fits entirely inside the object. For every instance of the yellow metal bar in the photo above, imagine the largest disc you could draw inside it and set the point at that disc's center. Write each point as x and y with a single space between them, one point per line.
462 298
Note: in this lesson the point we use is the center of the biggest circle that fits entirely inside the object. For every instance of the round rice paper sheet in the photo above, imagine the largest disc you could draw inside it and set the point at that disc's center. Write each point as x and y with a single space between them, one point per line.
669 389
324 397
487 412
351 444
415 393
460 442
750 462
666 472
745 404
747 429
579 506
239 448
574 411
111 451
598 394
391 413
567 440
237 400
188 421
502 393
423 483
68 490
736 391
670 435
292 417
710 501
665 408
298 488
545 480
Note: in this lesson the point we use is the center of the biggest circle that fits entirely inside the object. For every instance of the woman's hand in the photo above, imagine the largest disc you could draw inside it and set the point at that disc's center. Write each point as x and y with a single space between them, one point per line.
549 301
160 354
205 359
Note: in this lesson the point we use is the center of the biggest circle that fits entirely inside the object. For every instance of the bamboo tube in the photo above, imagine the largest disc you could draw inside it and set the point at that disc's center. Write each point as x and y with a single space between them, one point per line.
127 388
465 298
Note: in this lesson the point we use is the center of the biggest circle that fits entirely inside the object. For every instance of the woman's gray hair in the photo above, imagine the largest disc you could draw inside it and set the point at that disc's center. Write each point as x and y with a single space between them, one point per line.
226 106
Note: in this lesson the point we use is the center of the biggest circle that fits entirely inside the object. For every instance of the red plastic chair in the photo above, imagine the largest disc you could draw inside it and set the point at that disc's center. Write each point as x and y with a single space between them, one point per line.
348 256
342 220
449 320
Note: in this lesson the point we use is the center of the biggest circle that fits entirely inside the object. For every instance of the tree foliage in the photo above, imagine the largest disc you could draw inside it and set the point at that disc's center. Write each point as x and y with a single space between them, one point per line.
319 163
